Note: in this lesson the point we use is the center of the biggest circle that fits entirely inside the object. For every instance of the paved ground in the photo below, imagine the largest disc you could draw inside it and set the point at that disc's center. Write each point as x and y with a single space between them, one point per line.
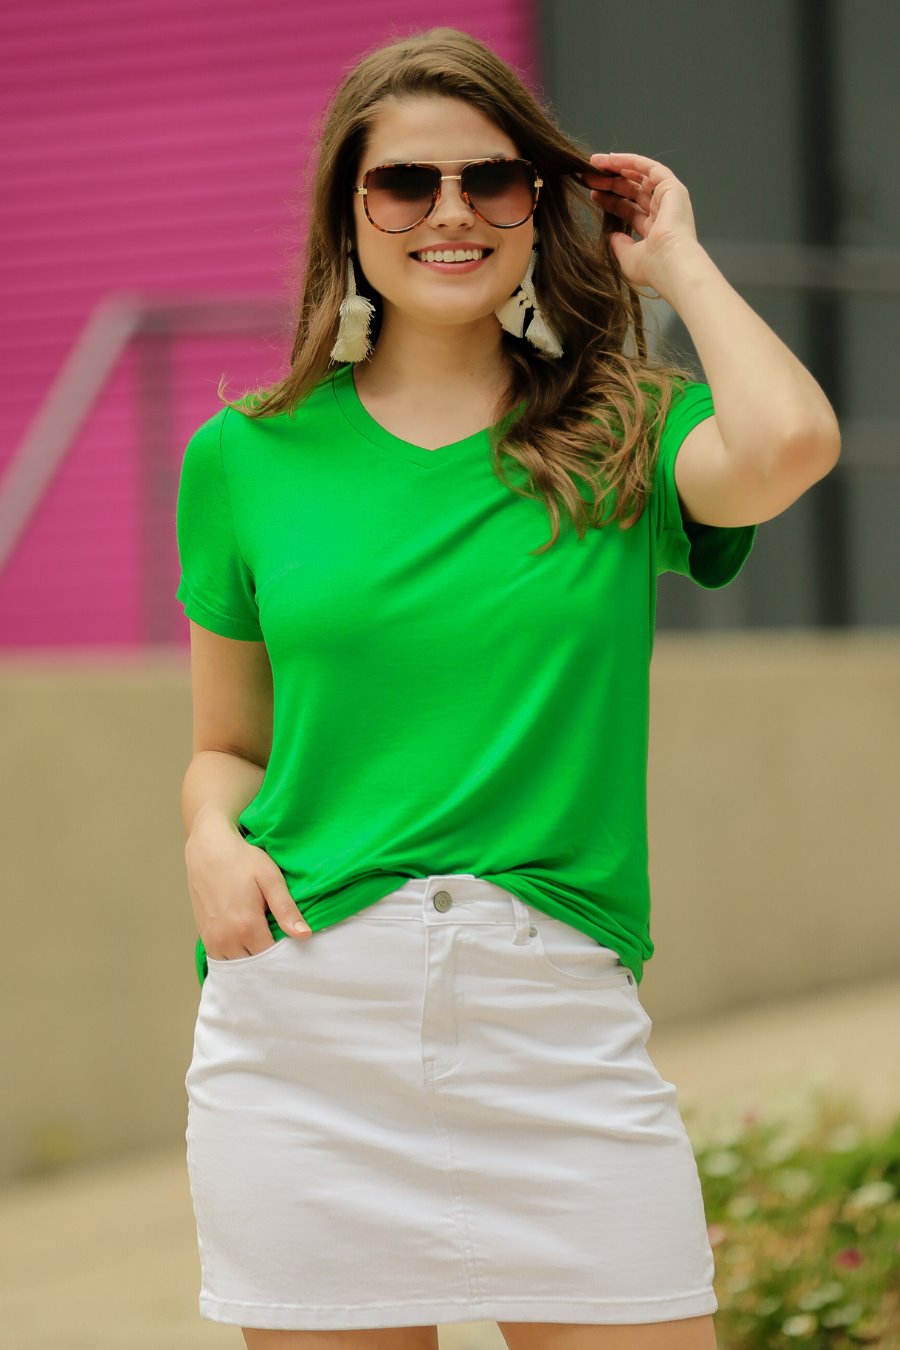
105 1258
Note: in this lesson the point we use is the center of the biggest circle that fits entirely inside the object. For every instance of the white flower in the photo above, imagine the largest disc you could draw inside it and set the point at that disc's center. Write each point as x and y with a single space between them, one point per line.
870 1196
739 1284
726 1134
780 1148
843 1139
721 1163
804 1324
741 1207
842 1317
793 1183
817 1298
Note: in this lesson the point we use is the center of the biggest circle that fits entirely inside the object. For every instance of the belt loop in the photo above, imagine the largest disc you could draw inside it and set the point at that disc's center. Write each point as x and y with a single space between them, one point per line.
523 921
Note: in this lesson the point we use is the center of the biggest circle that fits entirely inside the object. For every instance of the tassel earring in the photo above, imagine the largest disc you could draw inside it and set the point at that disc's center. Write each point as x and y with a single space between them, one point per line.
512 314
352 342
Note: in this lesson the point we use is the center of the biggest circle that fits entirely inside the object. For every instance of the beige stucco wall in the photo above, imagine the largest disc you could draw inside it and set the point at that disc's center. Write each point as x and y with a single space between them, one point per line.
775 863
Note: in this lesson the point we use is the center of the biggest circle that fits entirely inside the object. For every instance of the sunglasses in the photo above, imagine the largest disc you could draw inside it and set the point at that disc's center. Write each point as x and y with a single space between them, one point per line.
398 197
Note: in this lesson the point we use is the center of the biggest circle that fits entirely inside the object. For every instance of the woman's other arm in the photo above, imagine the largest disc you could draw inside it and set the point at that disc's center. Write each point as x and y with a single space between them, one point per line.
231 883
217 786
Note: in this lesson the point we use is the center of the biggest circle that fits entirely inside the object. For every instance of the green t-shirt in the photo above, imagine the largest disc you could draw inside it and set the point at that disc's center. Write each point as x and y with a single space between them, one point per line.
444 700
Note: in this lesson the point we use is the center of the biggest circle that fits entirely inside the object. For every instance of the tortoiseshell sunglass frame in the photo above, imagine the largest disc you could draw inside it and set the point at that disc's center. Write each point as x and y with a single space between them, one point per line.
362 189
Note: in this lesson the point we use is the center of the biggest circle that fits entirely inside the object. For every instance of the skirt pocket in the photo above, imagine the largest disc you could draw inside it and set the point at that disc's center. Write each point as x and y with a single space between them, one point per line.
573 958
230 966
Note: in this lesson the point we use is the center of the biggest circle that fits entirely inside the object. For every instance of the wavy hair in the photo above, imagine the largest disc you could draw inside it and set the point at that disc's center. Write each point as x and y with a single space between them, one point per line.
592 415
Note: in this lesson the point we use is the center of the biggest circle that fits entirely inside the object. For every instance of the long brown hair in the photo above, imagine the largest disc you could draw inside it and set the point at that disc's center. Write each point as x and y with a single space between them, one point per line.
585 414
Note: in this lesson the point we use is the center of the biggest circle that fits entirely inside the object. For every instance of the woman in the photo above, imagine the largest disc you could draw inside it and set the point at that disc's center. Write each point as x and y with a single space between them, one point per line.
437 1105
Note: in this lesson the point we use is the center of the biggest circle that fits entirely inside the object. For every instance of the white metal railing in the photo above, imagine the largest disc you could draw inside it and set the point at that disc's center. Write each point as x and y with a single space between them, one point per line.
115 322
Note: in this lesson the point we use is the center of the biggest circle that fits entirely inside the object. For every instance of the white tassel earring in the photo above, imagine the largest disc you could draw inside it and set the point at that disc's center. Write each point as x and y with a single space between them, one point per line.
512 314
352 342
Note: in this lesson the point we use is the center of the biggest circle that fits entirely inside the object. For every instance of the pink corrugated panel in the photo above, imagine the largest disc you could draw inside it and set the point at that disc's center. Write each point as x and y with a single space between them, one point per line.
156 148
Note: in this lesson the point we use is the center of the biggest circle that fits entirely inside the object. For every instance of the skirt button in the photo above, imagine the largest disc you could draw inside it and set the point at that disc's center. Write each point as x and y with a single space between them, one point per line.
442 900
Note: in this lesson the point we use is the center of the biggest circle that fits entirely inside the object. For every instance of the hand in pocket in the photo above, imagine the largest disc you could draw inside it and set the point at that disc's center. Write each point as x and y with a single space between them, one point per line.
233 885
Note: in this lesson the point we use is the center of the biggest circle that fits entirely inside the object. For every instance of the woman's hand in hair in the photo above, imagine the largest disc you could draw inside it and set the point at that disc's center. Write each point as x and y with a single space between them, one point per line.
649 200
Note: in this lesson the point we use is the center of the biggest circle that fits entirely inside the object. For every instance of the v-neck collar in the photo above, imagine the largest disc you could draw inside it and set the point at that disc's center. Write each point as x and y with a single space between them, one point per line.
364 423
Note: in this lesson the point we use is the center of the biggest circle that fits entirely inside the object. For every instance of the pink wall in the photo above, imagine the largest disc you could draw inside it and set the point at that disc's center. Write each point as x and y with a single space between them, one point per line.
157 148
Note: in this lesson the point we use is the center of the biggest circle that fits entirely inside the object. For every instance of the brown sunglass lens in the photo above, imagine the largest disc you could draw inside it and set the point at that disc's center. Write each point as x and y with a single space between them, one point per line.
400 195
502 193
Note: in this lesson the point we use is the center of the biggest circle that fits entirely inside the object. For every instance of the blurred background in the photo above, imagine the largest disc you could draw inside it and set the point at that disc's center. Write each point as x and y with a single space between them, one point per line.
155 158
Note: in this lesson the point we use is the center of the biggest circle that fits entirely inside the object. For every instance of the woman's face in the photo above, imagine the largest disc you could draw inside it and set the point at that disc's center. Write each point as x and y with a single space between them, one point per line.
430 129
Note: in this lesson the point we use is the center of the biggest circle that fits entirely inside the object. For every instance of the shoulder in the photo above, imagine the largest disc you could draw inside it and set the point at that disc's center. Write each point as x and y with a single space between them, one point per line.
686 397
249 414
236 432
202 452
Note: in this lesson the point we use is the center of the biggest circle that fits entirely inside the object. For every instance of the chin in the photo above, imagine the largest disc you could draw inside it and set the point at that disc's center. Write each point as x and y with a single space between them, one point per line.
454 311
464 319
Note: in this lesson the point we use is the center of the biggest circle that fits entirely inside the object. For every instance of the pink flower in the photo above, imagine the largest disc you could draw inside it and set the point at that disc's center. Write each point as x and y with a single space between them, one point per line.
850 1257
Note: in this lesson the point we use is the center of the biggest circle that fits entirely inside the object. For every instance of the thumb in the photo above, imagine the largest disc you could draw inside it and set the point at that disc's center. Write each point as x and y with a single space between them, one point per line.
621 245
284 907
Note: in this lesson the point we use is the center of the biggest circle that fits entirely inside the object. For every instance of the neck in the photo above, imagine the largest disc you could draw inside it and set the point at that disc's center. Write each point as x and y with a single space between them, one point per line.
437 365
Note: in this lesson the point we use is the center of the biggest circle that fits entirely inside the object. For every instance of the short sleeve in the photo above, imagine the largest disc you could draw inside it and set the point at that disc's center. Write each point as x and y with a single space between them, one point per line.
711 555
216 588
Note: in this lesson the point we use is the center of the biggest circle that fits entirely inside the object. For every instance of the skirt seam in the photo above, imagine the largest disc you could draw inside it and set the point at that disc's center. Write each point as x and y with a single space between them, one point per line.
699 1303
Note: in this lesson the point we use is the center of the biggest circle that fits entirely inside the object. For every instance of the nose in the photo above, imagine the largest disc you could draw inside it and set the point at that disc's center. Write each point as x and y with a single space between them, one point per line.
451 208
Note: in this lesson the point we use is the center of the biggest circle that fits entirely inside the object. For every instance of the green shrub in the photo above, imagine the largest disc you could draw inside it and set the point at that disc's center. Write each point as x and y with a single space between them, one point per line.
803 1210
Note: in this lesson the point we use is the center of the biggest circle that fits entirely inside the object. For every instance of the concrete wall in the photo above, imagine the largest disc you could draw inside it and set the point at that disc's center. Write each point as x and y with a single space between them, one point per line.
774 858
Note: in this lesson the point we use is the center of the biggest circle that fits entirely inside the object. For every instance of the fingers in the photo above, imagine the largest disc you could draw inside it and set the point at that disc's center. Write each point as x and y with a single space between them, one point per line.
628 168
249 933
231 910
627 194
283 905
630 217
630 201
625 187
620 175
625 162
247 936
624 182
634 210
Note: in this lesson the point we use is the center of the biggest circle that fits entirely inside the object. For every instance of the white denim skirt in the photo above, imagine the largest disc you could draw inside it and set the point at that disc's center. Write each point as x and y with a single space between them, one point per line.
438 1110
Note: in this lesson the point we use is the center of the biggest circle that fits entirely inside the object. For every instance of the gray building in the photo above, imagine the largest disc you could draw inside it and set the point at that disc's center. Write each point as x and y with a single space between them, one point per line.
781 117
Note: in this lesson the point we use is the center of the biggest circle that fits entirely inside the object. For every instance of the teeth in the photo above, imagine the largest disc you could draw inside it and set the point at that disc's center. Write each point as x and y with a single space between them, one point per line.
447 255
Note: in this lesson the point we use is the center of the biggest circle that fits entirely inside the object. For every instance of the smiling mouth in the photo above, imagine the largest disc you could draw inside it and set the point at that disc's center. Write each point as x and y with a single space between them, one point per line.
451 255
